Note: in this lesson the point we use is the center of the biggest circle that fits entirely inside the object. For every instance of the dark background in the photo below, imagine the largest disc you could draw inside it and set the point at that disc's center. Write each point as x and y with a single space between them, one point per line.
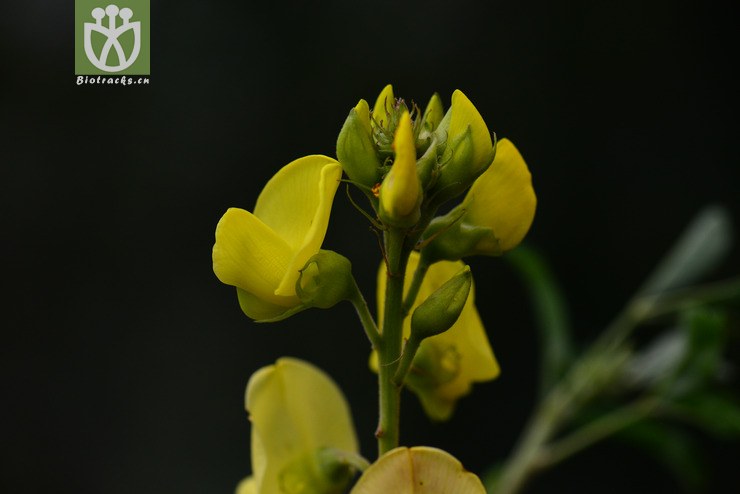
124 360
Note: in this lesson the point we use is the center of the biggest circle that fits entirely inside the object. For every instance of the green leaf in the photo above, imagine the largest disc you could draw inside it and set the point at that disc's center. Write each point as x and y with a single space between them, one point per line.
658 361
670 446
700 248
716 412
551 313
705 329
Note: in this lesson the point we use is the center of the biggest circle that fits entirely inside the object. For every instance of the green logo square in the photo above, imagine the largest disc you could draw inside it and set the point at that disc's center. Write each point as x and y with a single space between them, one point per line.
112 38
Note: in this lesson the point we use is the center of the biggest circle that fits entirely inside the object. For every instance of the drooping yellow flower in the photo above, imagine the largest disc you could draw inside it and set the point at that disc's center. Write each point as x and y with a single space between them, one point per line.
448 364
401 193
418 470
261 253
301 429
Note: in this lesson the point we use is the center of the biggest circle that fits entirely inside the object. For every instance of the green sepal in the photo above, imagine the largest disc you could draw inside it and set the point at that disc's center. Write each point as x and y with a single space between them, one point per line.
325 280
449 238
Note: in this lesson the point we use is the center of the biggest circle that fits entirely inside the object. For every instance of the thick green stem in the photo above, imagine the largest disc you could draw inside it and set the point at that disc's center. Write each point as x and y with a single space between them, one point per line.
389 351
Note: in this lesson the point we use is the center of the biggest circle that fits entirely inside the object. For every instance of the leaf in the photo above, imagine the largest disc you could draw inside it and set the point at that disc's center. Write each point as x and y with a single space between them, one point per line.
705 330
551 313
670 446
718 413
700 248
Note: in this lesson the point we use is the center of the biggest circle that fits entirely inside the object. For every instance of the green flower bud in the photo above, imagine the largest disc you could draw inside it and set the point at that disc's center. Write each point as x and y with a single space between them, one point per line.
356 149
325 280
441 310
433 114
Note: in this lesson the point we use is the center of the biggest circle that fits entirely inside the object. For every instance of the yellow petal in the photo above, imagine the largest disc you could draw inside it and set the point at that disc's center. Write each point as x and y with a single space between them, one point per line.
249 255
418 470
363 113
247 486
383 107
295 409
463 351
400 193
502 199
258 309
296 204
465 115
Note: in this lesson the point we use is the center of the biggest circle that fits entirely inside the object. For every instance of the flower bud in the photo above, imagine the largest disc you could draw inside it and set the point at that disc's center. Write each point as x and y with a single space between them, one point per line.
401 192
468 151
433 114
356 149
441 310
383 108
325 280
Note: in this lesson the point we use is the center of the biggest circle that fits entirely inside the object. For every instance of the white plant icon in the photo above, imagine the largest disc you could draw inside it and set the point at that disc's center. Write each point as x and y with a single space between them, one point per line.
111 32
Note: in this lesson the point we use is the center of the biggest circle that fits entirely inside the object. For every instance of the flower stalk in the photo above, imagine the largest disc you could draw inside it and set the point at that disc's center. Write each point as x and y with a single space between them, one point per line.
389 352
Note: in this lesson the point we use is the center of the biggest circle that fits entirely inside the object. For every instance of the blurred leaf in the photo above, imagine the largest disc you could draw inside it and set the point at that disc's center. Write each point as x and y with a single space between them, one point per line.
705 329
718 413
670 446
698 250
551 314
658 361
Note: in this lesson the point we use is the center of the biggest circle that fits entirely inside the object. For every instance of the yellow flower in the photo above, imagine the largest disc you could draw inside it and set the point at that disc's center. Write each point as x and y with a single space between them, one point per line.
261 253
495 215
448 364
400 193
301 428
417 470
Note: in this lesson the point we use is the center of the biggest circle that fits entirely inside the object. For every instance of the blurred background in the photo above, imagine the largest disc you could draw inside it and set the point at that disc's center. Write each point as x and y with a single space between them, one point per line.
124 360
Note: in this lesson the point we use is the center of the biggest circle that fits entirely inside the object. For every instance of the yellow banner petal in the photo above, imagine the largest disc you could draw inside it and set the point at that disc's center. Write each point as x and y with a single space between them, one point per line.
295 410
465 115
503 199
418 470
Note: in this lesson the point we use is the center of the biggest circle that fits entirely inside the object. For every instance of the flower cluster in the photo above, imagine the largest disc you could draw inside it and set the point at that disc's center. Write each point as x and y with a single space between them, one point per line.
428 337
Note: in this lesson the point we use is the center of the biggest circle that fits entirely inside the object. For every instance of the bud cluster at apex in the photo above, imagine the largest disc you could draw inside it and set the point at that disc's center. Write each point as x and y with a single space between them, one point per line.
448 152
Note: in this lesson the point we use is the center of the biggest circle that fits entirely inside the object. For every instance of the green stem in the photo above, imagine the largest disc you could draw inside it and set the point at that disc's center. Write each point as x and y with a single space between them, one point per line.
421 271
540 429
593 432
389 351
368 323
409 352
